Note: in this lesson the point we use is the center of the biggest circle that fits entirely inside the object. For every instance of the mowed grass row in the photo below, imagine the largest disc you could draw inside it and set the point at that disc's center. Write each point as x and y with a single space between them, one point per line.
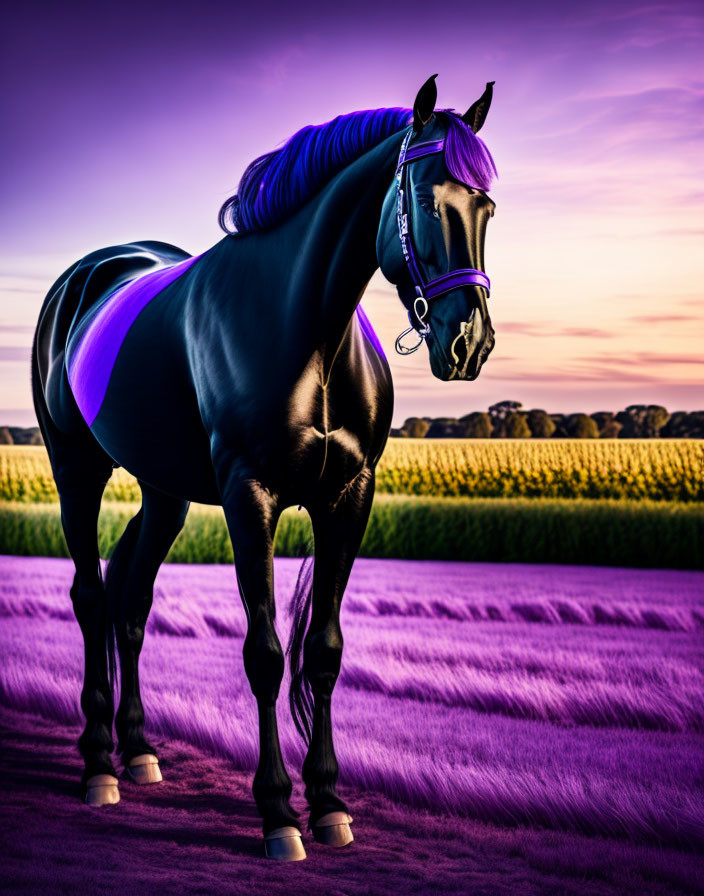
601 533
659 470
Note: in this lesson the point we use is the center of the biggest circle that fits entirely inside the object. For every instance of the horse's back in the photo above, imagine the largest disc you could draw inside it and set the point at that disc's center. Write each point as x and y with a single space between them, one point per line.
81 289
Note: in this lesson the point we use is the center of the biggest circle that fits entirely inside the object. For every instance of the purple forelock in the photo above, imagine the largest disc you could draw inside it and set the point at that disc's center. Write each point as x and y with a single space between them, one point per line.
466 157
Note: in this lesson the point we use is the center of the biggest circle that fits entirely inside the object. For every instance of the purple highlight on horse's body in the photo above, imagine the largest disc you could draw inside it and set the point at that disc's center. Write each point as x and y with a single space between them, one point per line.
279 182
368 331
92 360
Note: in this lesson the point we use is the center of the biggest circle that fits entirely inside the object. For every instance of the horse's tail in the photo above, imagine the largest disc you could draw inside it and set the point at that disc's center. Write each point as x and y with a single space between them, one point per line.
300 693
118 566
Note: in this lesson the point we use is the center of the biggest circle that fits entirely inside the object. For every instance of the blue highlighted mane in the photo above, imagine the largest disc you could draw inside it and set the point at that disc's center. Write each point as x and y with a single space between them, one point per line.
280 182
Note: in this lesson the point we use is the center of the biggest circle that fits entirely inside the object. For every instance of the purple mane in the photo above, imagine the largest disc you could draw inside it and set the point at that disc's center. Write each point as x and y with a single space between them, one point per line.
280 182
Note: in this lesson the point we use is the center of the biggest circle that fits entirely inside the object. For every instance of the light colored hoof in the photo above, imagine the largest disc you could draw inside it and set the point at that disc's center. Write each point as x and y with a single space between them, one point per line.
333 829
145 769
101 790
285 845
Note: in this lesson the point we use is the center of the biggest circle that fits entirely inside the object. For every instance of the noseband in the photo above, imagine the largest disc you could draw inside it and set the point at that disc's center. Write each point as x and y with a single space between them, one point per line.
425 291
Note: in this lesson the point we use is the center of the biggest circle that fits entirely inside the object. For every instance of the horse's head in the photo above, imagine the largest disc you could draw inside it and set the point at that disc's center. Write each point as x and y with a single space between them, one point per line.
430 242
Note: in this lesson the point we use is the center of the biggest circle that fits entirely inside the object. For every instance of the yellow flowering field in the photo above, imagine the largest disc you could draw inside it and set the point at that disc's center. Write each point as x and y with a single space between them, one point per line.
657 469
25 475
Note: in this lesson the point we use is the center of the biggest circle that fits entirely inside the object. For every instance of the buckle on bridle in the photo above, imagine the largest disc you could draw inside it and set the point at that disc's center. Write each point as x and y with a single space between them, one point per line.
409 349
423 331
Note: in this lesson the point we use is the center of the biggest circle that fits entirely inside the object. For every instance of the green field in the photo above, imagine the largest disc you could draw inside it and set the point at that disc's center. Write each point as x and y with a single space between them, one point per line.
630 504
606 533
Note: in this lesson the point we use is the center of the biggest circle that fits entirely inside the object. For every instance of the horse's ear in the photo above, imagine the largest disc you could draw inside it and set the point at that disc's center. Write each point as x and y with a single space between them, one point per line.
424 105
477 112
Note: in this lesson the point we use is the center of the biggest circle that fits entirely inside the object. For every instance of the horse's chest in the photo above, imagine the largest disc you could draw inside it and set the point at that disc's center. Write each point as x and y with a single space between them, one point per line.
333 425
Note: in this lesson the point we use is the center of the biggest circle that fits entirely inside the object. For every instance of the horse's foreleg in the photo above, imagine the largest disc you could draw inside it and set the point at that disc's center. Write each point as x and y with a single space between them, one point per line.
130 585
251 515
338 534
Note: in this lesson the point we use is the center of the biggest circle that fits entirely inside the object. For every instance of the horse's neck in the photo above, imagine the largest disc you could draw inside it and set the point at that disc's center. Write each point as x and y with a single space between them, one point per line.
320 260
339 251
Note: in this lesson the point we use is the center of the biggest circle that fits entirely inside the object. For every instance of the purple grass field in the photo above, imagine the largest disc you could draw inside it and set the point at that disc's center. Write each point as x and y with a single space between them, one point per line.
500 728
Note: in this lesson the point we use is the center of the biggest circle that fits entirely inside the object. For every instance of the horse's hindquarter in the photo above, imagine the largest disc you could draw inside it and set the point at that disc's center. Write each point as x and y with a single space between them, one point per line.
149 420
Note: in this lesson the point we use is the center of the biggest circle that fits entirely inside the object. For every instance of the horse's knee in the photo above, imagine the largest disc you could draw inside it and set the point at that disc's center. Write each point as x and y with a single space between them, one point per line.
263 658
130 632
322 656
89 608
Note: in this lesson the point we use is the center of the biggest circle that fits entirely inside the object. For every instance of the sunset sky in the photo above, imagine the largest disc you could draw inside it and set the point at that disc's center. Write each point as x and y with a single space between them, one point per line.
125 122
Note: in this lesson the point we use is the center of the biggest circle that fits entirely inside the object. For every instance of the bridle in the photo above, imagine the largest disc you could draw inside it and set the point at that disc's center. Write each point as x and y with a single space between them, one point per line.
425 290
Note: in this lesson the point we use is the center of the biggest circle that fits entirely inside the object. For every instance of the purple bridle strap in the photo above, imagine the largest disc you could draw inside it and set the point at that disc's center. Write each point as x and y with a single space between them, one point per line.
420 150
461 277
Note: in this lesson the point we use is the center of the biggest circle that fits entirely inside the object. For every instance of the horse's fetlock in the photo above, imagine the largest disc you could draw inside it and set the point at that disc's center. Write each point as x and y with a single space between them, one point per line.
272 790
271 784
95 739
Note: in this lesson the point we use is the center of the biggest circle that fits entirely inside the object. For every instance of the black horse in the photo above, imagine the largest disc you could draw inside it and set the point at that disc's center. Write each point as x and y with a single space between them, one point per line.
248 377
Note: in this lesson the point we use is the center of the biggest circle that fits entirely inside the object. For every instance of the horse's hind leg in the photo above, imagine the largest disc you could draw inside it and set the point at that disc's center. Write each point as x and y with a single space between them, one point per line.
338 534
80 485
130 587
81 470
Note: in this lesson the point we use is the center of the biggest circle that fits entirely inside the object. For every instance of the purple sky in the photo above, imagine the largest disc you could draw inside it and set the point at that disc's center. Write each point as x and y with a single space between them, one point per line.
122 123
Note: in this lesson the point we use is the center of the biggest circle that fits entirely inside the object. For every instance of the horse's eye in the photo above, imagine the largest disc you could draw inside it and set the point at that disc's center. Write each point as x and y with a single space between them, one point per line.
428 206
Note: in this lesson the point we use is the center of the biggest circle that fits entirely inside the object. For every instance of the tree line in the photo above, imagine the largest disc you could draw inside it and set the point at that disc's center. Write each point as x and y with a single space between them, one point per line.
509 420
20 435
